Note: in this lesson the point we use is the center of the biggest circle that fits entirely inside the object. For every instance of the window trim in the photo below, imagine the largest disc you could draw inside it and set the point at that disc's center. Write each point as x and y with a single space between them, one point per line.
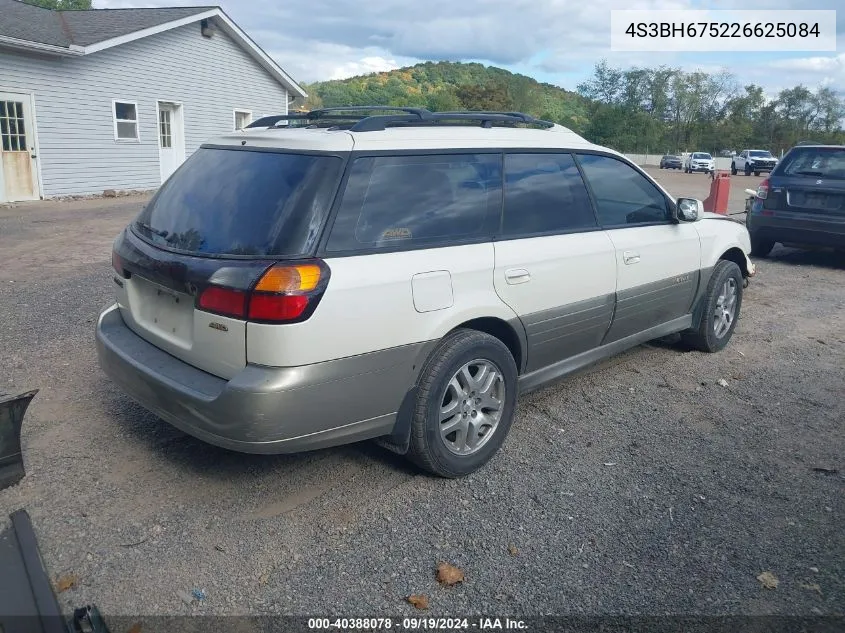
670 203
136 121
235 113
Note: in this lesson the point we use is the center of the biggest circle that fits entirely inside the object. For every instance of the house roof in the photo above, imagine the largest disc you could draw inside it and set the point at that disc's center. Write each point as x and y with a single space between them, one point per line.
82 32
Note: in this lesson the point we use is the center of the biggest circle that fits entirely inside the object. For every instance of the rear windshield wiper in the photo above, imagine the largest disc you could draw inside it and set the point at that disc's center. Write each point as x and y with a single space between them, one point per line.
146 226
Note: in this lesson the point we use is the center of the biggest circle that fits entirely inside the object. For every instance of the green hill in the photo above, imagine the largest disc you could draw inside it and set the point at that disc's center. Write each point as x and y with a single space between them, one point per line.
442 86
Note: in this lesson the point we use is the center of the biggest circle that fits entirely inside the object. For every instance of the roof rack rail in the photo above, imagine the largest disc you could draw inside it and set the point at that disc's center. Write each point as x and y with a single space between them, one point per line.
398 116
320 112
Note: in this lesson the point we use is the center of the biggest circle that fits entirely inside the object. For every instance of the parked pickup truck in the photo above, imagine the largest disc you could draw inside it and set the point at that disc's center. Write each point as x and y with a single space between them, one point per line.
753 161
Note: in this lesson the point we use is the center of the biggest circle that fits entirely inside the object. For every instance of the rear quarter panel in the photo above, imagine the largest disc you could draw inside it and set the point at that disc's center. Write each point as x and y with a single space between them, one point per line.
369 306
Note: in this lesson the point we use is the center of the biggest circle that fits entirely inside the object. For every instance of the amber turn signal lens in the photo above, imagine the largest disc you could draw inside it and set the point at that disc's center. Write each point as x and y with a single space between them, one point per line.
290 279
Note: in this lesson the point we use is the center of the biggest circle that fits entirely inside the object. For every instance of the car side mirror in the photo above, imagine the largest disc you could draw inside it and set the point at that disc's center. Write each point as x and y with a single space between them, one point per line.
689 209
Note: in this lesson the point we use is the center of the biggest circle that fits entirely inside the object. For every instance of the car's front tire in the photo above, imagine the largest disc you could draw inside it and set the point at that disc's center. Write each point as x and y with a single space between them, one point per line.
733 169
466 397
722 303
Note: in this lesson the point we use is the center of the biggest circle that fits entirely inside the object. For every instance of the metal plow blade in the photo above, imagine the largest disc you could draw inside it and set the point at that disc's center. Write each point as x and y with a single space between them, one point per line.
12 410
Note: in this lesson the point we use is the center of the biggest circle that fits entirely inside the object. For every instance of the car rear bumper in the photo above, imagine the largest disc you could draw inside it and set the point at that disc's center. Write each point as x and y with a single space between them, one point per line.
798 228
261 409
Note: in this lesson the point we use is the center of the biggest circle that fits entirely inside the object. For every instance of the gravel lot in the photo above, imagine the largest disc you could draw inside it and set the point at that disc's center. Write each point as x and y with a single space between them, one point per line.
640 486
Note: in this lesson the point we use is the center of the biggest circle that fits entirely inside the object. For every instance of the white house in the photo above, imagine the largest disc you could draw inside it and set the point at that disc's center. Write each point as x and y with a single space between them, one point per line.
118 98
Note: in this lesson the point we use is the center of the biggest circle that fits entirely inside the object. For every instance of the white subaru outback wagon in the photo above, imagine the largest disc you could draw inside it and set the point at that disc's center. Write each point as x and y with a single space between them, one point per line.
360 273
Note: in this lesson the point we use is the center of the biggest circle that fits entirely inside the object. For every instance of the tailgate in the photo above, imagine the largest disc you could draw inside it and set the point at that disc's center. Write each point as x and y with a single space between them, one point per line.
168 319
816 198
157 295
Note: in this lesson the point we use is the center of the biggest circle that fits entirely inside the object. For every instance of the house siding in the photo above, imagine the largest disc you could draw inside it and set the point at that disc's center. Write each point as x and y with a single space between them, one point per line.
210 77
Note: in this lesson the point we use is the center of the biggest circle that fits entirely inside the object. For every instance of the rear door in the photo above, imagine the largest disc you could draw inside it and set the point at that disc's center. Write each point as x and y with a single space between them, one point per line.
657 261
554 267
224 218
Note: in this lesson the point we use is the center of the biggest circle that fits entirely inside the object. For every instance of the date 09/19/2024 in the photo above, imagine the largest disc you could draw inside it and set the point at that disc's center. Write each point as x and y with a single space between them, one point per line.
417 624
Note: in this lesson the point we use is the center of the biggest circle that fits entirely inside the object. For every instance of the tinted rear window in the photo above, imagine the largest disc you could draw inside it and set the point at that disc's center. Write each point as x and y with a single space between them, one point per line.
237 202
821 162
396 201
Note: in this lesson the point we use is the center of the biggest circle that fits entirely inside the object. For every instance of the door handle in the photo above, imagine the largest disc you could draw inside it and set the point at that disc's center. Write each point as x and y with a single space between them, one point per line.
630 257
517 276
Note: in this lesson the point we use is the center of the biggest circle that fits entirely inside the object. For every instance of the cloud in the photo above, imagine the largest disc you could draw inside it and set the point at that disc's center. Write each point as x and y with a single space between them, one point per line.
815 65
560 40
365 66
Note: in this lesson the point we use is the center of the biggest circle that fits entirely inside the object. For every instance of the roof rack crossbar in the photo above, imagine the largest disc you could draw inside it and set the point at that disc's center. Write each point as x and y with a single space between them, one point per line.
271 120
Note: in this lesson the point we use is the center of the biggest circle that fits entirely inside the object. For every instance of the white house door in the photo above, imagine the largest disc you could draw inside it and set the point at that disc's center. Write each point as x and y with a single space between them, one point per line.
171 138
18 172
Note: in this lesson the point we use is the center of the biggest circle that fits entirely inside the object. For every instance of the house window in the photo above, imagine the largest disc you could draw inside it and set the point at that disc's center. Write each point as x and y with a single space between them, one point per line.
164 129
12 131
242 119
125 121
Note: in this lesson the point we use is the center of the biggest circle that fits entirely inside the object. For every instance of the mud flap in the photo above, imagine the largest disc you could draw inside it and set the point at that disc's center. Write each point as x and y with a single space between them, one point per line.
12 409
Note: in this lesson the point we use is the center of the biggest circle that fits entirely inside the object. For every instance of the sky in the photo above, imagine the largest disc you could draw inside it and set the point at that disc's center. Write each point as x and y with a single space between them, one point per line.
556 41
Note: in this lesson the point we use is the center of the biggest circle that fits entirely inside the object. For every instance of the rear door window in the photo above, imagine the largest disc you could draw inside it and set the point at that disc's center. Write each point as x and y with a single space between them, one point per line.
400 201
239 202
623 195
544 193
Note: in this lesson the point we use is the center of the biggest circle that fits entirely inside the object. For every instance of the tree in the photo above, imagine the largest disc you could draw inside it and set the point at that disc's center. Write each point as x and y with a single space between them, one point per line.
493 96
830 110
61 5
635 110
605 85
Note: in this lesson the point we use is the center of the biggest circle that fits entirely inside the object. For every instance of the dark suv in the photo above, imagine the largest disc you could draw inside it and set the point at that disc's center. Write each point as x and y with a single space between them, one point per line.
671 161
802 202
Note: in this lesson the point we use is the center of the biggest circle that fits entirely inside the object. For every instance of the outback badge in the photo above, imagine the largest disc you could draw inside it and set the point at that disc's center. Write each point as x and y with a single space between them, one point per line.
214 325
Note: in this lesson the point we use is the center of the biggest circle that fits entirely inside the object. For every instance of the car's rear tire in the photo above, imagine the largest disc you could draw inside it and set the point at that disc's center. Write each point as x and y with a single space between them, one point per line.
722 303
733 169
757 173
466 397
761 247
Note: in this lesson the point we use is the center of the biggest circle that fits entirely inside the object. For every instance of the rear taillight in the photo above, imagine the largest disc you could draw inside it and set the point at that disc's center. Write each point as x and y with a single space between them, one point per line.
117 263
285 293
223 301
763 189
